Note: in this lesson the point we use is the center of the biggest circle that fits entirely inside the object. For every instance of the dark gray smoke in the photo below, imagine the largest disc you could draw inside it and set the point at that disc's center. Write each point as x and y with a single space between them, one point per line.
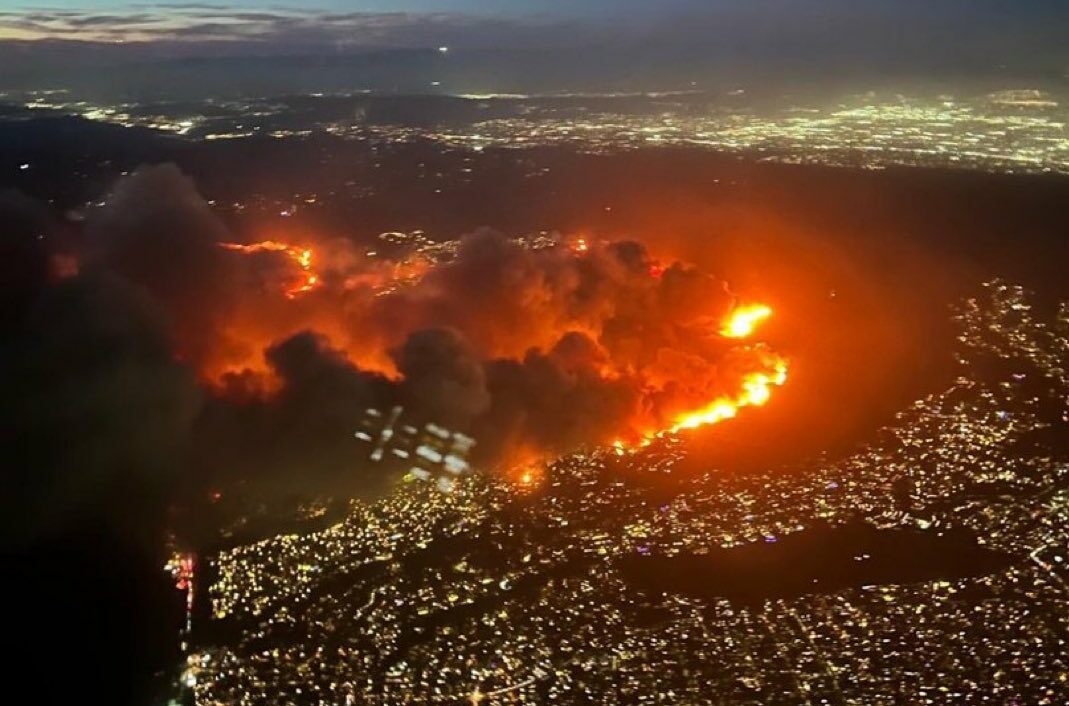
299 438
156 231
529 351
444 378
96 414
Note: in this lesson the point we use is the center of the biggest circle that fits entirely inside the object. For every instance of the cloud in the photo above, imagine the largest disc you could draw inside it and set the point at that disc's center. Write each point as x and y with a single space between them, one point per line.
96 407
97 414
684 39
443 377
155 230
299 439
283 29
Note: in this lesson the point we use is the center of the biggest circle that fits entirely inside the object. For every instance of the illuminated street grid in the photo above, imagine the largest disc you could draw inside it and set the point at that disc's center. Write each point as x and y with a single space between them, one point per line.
508 594
902 132
1014 131
411 255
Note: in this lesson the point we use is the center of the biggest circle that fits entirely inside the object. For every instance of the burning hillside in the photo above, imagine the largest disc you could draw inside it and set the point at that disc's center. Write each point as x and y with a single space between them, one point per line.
531 347
537 349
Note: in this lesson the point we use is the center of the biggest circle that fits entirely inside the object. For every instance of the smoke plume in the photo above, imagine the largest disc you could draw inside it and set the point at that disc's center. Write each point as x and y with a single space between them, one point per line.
530 349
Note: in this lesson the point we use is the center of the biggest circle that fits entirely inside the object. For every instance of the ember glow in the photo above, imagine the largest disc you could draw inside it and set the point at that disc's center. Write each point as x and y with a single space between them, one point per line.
744 320
300 256
756 391
638 347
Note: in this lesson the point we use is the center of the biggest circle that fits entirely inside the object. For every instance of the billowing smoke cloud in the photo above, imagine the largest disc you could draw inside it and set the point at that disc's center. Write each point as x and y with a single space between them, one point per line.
556 401
156 231
94 399
95 413
443 377
145 364
299 437
530 350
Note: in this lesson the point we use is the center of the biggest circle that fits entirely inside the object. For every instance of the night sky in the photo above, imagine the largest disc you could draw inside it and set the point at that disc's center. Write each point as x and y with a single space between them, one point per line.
504 23
104 49
602 8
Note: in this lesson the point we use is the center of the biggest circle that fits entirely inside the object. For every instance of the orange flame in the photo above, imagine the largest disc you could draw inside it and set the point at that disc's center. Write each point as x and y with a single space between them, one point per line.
743 320
527 475
756 388
301 256
756 391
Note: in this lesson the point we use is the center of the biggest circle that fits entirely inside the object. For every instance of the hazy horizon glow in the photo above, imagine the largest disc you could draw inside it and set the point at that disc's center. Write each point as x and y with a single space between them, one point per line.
540 46
756 26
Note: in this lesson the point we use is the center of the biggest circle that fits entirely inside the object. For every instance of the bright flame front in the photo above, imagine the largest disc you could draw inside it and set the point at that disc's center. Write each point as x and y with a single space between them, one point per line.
755 389
743 320
302 257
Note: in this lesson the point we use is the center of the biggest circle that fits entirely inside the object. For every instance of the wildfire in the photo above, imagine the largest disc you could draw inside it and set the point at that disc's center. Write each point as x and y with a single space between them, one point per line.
685 365
756 387
743 320
581 246
302 257
756 391
527 475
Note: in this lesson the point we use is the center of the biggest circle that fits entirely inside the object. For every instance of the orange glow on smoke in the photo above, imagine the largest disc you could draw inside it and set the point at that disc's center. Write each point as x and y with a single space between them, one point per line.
302 257
526 469
743 320
689 364
756 386
756 391
64 266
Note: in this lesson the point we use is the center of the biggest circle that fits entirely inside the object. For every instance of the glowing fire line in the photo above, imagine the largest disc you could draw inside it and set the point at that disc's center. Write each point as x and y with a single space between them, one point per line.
301 256
756 389
742 322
